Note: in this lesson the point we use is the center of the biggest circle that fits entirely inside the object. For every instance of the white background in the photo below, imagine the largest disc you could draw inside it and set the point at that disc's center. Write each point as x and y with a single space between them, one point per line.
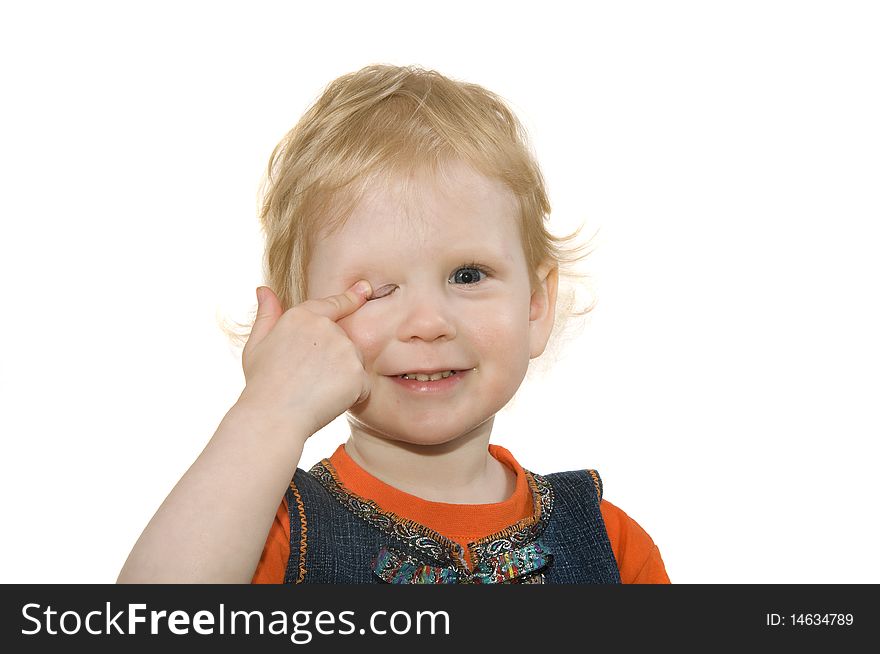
726 386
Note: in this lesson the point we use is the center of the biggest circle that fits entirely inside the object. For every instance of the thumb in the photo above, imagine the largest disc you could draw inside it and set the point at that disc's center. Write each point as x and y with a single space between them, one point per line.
268 312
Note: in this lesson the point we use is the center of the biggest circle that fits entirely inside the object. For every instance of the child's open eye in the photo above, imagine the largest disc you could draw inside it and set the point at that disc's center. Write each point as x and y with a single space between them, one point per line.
470 274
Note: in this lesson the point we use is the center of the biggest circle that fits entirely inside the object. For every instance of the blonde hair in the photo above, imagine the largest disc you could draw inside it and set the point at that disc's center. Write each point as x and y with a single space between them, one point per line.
384 122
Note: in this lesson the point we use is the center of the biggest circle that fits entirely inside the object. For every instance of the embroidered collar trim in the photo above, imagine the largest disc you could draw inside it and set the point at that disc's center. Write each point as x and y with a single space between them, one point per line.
434 545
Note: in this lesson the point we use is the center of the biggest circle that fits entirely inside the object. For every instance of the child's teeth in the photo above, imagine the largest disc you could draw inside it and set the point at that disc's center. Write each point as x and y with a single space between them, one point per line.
434 377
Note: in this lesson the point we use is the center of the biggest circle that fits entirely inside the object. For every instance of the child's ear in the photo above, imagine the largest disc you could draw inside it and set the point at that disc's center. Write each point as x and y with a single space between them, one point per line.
542 308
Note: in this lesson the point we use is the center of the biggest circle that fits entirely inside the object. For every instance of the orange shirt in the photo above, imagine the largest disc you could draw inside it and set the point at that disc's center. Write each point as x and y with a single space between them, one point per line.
637 556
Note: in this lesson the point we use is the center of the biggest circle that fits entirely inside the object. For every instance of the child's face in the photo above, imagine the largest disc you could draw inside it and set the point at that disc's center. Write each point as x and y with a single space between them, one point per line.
442 313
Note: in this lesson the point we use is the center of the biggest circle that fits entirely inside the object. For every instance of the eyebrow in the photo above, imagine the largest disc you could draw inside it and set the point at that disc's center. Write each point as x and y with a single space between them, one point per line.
360 271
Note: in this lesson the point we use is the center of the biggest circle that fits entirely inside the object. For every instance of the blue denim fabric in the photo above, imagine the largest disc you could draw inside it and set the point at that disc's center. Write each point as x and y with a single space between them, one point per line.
343 533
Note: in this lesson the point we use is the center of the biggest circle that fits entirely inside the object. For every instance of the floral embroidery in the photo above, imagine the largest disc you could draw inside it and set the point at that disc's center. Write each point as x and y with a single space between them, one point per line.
492 555
523 532
395 567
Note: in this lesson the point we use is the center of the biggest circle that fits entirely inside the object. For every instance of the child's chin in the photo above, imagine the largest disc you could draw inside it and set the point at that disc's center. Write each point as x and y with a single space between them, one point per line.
427 440
399 434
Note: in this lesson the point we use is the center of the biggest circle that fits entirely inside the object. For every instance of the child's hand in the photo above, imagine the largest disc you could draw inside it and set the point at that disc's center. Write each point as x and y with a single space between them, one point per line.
299 364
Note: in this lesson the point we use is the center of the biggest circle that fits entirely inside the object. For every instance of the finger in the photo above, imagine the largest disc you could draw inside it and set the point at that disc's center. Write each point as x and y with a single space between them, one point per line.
337 307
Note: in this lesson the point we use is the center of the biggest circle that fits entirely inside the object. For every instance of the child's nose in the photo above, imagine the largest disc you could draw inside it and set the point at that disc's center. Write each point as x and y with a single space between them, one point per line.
426 317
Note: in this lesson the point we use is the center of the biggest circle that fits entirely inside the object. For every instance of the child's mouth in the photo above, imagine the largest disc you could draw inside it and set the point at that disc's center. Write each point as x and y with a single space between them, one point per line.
433 377
440 382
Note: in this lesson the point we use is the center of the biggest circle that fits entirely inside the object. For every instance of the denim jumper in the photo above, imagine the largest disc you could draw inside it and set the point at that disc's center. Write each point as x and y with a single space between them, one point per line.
337 537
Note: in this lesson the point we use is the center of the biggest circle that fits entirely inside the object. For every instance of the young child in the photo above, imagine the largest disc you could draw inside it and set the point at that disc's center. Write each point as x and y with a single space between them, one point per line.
410 282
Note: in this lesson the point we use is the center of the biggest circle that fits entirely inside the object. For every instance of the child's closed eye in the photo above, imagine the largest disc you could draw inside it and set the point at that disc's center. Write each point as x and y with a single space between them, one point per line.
382 291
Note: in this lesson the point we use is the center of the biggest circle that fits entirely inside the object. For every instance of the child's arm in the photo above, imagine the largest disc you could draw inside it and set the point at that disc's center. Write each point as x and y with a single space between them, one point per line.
212 526
302 372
